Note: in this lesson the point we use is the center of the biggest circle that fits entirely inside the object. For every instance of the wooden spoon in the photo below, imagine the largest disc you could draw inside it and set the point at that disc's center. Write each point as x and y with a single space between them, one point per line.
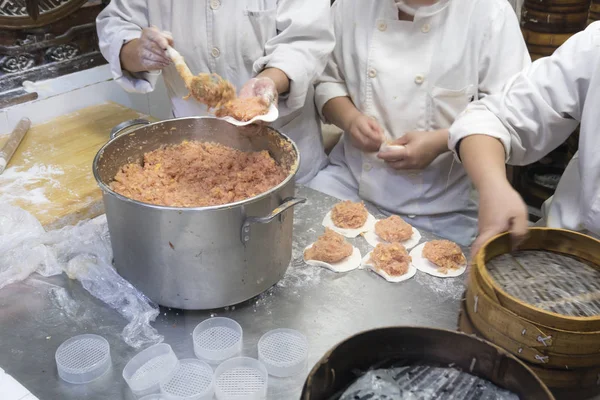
210 89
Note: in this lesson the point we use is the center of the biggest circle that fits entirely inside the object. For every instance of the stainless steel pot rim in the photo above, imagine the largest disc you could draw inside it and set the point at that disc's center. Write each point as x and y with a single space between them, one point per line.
106 189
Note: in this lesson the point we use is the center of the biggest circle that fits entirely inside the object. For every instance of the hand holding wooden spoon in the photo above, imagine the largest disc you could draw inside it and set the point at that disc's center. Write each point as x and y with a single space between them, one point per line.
209 89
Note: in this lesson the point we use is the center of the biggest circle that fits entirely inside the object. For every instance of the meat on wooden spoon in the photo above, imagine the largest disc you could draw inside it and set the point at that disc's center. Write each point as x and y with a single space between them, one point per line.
210 89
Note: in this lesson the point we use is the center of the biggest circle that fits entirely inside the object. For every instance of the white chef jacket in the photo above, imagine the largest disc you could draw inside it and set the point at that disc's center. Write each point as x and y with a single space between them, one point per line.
237 40
416 76
538 110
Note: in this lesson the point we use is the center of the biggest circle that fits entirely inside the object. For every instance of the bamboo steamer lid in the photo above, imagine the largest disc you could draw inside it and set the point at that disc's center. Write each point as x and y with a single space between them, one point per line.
542 21
577 382
568 6
555 281
545 39
531 342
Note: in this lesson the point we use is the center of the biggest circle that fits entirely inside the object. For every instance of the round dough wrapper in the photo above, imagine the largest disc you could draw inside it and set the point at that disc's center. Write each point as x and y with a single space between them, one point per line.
350 233
412 270
430 268
373 239
347 264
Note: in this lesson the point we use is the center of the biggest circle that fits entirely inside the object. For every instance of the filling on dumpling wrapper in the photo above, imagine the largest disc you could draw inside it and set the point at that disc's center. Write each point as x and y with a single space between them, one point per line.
331 247
445 254
393 229
391 258
349 215
244 108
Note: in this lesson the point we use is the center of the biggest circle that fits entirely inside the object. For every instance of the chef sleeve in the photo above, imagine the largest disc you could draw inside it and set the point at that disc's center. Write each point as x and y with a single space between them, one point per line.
332 83
300 48
119 23
540 107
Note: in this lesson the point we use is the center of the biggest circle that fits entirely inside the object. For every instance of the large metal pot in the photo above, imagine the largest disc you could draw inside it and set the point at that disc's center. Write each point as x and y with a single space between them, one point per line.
198 258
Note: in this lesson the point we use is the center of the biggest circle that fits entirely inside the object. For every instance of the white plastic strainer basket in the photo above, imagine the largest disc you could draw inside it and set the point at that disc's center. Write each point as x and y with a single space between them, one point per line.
148 369
241 378
217 339
191 380
83 358
283 352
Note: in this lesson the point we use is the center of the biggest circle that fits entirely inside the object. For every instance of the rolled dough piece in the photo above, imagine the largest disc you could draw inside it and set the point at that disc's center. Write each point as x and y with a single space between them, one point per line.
412 270
430 268
347 264
373 239
349 233
386 147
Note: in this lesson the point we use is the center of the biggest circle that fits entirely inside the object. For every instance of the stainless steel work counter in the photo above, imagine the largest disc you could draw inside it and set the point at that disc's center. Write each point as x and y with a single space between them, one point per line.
37 315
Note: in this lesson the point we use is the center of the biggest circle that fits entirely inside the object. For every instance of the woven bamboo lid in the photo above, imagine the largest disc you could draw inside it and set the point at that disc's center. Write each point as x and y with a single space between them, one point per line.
553 280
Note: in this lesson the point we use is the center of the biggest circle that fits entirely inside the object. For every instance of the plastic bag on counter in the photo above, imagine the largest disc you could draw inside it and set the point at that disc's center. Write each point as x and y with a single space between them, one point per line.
84 253
424 382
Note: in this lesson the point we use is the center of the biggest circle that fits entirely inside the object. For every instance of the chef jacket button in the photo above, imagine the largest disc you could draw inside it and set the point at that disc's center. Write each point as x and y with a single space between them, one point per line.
419 79
372 73
425 28
215 4
367 167
382 26
215 52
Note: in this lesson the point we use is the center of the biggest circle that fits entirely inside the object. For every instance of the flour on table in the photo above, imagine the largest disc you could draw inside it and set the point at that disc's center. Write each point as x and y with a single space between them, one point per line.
15 183
299 274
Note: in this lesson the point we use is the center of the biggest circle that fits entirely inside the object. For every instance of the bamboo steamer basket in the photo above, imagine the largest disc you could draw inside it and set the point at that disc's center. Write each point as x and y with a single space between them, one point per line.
554 244
545 39
544 51
542 44
578 383
543 21
566 6
534 343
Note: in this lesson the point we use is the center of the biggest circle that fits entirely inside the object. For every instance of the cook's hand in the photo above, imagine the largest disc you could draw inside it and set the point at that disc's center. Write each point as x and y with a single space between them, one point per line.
261 87
419 149
501 209
148 53
365 133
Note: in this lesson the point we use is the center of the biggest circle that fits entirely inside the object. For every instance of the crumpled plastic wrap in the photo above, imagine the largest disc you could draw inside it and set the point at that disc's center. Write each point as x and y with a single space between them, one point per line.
84 253
423 382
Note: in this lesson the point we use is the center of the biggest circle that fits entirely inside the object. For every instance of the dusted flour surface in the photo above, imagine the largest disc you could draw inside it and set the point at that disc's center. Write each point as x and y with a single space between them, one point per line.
198 174
391 258
349 215
243 108
393 229
331 247
445 254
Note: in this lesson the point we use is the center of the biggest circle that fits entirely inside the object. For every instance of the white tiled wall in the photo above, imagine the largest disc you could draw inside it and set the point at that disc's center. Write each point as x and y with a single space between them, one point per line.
78 90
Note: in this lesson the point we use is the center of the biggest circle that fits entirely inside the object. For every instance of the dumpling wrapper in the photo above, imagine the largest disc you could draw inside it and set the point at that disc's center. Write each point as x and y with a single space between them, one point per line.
347 264
373 238
350 233
430 268
412 270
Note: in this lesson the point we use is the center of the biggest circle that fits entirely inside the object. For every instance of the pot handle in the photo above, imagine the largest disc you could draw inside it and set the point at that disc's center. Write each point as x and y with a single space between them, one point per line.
124 125
286 205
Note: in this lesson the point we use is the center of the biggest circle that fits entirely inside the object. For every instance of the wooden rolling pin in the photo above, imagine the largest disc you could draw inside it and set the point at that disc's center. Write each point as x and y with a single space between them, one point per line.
14 140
